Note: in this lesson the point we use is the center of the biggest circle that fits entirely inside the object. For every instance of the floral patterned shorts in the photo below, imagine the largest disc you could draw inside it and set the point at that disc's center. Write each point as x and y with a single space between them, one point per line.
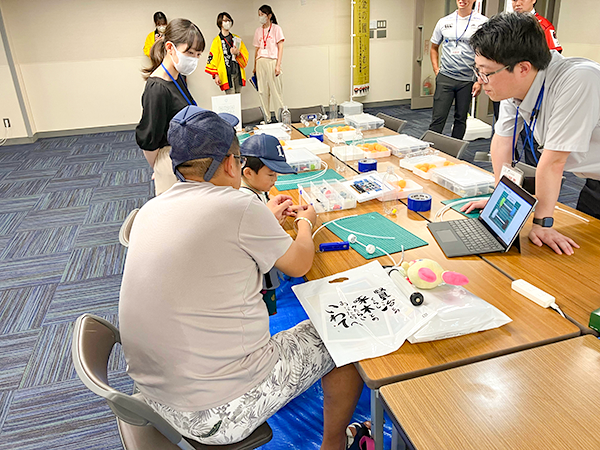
303 360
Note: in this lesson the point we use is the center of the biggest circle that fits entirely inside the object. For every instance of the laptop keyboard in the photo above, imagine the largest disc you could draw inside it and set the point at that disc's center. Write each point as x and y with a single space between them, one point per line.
475 236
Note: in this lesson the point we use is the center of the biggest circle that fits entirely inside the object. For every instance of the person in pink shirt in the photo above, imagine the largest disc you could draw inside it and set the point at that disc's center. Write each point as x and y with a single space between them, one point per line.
268 45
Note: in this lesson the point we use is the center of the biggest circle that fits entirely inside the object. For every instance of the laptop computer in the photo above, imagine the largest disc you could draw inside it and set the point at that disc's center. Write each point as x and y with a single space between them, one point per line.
494 230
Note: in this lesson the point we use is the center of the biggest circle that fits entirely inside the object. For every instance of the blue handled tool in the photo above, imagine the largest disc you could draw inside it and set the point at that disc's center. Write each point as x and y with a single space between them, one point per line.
333 246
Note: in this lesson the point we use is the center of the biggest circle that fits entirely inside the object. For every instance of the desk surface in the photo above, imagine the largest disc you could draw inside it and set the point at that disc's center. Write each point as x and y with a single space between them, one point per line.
509 402
531 324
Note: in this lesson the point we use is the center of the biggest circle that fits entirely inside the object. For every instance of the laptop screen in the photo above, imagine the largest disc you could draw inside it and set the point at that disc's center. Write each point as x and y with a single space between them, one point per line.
507 210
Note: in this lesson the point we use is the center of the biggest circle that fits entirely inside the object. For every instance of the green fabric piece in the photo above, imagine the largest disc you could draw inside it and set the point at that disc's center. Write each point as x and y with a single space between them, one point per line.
377 225
287 182
471 215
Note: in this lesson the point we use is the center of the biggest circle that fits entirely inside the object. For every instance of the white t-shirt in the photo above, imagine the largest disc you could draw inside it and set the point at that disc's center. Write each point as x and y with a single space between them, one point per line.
454 32
569 117
194 327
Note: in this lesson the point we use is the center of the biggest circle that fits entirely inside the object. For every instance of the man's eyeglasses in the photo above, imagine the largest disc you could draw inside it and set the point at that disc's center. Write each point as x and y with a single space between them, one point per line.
485 77
241 158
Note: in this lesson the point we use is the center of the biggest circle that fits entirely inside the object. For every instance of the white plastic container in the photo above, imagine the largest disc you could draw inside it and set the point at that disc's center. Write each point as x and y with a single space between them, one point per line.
364 121
278 130
302 160
313 144
414 164
327 195
403 144
464 180
339 137
381 153
348 152
350 108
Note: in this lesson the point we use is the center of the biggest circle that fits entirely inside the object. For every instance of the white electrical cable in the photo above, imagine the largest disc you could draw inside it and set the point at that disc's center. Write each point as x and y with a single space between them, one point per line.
395 264
361 234
556 308
569 212
331 221
440 213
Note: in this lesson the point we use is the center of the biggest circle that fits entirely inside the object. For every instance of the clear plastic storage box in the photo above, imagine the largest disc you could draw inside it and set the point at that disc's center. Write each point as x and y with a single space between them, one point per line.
403 144
313 144
374 150
327 195
351 108
464 180
302 160
348 152
340 137
364 121
279 130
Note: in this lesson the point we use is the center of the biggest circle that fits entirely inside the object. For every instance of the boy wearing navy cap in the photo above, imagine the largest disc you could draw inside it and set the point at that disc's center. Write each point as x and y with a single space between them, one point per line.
193 327
264 160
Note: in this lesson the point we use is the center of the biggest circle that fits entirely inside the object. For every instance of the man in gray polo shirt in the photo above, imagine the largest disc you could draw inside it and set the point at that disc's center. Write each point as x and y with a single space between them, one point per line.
194 328
454 79
556 100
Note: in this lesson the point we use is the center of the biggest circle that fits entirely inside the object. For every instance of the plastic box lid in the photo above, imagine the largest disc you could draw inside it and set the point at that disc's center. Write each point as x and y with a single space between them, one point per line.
351 107
464 176
302 160
364 121
313 144
274 129
403 143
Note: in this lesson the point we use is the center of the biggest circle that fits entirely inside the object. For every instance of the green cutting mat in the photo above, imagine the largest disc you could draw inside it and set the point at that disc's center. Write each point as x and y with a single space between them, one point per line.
366 141
243 137
306 130
472 215
287 182
377 225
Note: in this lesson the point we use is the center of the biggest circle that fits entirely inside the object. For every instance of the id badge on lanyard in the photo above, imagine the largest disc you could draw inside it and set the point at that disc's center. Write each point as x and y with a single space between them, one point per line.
512 173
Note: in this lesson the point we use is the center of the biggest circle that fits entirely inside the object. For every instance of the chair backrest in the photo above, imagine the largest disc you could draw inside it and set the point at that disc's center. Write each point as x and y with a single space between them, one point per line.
392 123
297 112
93 341
252 116
449 145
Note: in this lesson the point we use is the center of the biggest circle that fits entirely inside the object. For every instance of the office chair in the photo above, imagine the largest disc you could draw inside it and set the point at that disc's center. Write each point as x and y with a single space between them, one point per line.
139 426
297 112
449 145
252 116
392 123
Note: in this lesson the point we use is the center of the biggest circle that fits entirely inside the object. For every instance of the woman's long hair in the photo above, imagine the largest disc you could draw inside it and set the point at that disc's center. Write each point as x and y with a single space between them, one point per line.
179 31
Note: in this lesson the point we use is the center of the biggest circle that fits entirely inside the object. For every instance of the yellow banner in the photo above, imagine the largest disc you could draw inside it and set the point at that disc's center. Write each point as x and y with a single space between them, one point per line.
361 48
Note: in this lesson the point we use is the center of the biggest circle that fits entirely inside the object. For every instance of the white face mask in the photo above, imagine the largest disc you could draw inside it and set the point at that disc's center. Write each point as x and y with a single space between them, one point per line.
262 19
186 64
226 25
161 29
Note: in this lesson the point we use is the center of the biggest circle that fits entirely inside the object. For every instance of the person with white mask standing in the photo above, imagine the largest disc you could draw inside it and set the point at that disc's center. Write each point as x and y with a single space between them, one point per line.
228 58
174 57
268 45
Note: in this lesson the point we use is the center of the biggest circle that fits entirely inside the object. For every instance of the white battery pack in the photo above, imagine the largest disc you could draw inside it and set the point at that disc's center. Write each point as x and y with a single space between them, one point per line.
533 293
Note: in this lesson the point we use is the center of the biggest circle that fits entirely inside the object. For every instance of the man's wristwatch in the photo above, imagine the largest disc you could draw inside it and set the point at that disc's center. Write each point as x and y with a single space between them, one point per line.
545 222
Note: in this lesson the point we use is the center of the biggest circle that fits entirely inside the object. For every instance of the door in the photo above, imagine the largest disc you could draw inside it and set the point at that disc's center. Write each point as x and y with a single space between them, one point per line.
427 13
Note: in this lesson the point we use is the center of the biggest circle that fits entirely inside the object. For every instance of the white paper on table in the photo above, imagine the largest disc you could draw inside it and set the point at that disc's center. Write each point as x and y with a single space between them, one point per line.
231 104
363 316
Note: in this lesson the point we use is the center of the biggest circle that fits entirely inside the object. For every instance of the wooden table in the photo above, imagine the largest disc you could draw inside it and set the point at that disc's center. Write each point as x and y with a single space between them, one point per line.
532 326
543 398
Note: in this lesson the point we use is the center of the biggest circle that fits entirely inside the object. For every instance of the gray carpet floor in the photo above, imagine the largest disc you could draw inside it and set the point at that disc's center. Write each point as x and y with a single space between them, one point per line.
62 201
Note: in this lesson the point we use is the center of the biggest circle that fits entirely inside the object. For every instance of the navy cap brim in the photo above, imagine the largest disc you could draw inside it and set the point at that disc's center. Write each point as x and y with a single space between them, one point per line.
278 166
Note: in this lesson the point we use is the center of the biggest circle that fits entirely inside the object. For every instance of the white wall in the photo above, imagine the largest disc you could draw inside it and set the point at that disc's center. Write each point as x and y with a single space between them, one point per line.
9 104
577 28
80 61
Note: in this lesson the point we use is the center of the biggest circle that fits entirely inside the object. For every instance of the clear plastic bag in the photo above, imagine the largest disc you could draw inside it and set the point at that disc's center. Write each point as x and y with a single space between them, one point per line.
459 312
360 313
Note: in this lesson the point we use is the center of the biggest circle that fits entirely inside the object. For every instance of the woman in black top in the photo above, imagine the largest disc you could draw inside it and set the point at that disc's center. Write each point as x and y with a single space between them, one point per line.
173 58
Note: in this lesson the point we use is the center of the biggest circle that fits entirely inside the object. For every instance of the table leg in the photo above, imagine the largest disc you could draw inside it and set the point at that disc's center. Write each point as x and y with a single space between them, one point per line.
376 419
397 441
